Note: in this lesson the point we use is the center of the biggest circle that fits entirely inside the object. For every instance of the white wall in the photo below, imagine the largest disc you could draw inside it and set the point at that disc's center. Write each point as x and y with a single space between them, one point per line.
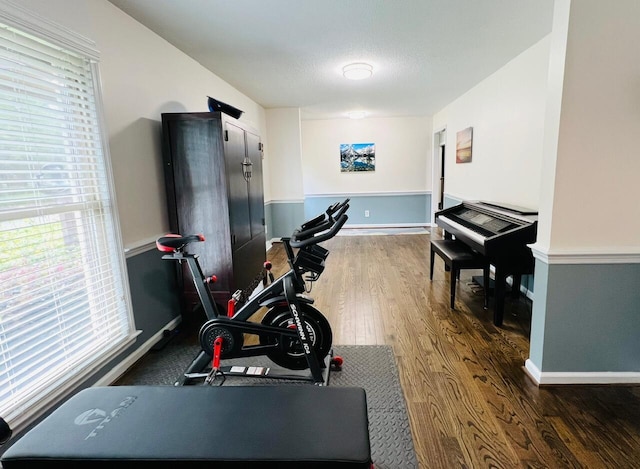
283 168
597 166
142 77
403 155
507 112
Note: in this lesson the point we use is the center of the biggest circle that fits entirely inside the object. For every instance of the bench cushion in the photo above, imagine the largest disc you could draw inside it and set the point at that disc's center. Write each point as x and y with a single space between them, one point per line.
163 426
454 250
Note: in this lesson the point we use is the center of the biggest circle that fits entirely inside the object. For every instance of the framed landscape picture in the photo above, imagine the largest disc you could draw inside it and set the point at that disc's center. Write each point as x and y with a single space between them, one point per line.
464 141
356 157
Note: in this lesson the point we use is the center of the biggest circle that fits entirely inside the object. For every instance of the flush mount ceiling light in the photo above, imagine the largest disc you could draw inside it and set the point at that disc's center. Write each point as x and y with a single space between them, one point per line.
356 114
357 71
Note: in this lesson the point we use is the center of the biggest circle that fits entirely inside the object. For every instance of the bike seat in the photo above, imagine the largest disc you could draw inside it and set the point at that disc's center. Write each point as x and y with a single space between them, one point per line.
175 242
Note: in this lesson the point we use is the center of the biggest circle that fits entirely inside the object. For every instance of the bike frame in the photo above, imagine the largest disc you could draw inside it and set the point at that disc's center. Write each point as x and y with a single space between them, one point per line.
286 290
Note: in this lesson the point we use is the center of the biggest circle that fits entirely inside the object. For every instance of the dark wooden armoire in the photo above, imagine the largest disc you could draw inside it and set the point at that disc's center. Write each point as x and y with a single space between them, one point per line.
209 191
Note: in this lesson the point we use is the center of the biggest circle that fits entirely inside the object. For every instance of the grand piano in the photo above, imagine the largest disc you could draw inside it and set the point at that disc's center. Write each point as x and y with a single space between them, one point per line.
500 233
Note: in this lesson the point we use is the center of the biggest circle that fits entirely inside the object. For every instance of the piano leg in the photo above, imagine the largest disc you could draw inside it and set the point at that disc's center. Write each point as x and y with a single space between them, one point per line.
499 289
486 279
515 286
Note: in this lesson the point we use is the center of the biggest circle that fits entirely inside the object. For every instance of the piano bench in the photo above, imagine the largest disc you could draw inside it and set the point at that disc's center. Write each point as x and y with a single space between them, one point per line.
457 256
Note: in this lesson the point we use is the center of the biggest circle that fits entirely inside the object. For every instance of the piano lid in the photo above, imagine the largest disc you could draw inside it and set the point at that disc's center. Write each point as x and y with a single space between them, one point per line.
510 208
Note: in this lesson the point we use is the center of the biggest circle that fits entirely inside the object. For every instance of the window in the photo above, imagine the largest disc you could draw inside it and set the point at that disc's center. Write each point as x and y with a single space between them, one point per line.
64 302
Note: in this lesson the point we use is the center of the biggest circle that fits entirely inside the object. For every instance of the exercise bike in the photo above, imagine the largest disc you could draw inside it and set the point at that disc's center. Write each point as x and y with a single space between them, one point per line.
292 334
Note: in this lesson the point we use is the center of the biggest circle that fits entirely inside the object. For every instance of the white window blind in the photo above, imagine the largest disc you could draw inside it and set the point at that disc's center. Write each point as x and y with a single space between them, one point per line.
64 307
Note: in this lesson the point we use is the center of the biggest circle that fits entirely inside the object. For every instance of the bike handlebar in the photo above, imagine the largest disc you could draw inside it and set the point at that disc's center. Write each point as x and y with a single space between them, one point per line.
322 222
325 234
337 206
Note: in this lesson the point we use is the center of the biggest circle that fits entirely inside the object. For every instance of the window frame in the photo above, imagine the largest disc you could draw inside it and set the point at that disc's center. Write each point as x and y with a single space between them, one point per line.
27 21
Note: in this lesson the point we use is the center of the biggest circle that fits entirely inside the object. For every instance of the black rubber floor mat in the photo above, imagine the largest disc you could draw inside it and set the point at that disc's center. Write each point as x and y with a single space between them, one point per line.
371 367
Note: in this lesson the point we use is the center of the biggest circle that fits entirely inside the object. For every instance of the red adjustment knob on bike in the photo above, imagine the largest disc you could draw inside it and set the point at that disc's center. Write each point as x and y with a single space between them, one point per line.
337 362
212 279
267 267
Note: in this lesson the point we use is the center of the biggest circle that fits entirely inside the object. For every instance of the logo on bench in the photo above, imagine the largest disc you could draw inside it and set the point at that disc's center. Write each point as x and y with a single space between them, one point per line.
101 417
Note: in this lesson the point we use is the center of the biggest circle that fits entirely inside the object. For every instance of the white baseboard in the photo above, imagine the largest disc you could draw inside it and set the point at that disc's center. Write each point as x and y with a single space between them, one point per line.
600 377
273 241
122 367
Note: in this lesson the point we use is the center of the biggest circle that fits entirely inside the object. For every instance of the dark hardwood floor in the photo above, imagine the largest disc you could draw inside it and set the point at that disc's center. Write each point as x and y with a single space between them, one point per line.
470 402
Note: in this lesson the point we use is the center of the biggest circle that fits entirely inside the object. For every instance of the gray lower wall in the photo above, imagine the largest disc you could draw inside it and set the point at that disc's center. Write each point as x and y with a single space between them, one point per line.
586 318
283 217
450 201
154 293
384 210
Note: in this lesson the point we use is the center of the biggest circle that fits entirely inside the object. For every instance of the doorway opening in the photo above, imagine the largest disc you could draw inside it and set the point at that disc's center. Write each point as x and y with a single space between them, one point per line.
441 194
438 173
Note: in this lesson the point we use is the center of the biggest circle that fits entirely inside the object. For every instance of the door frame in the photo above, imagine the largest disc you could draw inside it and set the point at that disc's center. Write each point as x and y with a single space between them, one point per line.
436 168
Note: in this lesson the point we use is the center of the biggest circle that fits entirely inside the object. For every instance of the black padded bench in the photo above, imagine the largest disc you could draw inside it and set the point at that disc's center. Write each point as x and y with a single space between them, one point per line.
201 426
456 256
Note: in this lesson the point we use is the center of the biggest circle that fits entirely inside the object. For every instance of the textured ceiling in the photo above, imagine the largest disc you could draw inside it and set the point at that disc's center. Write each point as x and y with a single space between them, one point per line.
289 53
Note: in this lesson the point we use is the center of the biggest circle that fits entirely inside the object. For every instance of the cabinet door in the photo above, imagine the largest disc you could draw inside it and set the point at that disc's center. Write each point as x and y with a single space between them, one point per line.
256 196
197 193
239 218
